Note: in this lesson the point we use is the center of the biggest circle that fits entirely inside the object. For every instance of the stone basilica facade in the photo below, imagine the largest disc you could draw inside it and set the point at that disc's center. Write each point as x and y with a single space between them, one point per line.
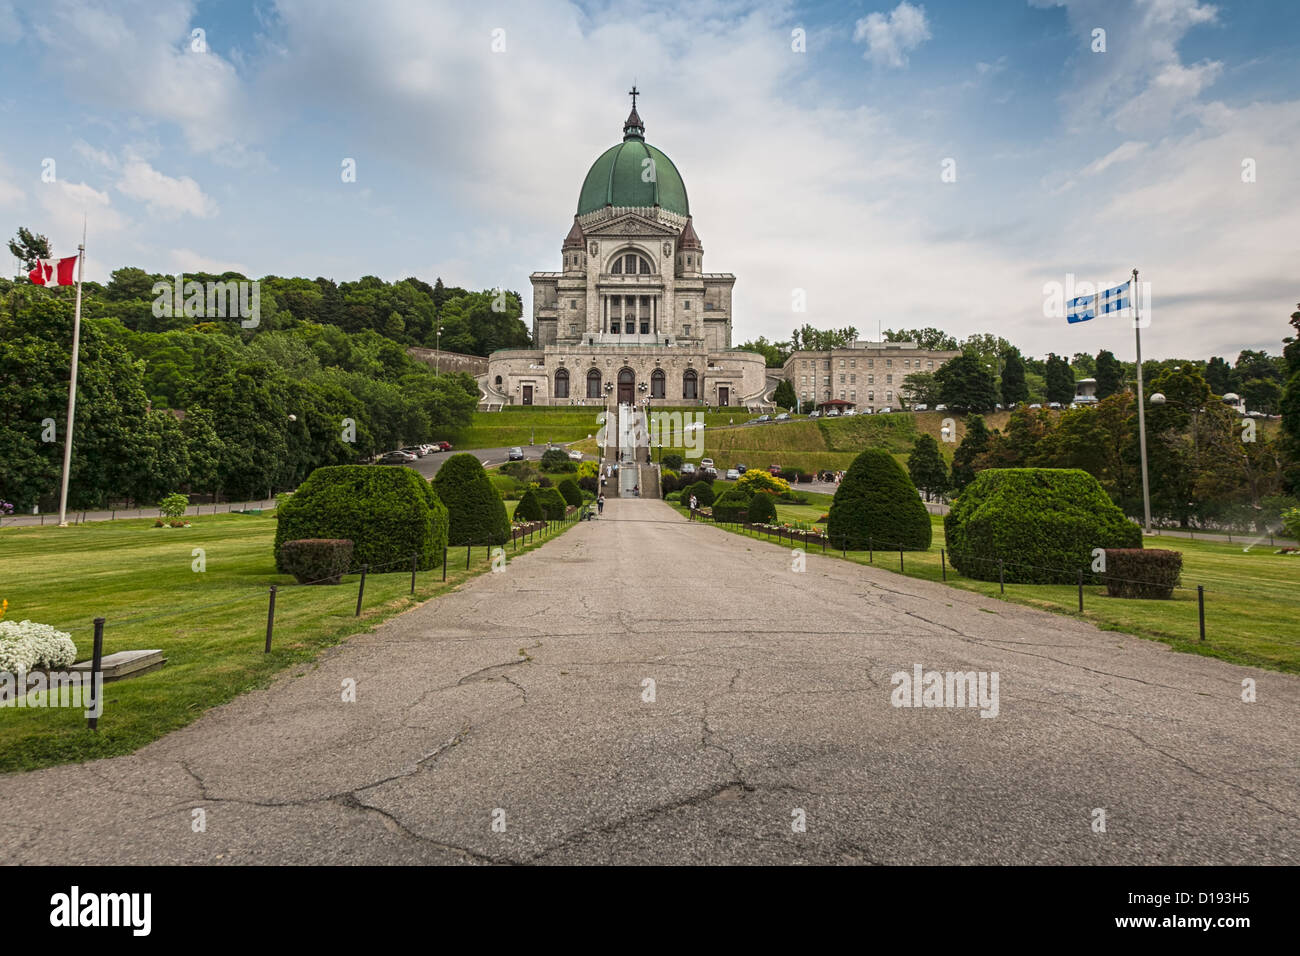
631 317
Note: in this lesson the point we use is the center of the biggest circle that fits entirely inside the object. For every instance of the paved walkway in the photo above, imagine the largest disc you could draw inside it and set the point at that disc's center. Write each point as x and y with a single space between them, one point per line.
522 696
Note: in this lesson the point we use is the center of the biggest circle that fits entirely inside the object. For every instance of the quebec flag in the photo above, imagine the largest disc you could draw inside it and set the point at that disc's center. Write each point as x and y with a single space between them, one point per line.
1087 307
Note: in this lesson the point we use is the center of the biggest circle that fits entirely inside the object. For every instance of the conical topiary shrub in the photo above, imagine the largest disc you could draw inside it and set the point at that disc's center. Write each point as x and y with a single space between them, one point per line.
762 509
476 513
529 508
877 505
553 504
571 492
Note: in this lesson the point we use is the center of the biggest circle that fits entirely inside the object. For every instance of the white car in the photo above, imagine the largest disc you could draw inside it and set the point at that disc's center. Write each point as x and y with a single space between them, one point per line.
921 408
692 426
849 411
732 474
576 455
706 462
886 410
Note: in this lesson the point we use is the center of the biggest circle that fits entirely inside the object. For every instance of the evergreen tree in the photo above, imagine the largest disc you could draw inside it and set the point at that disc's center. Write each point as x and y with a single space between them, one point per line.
1060 380
926 466
1110 375
784 396
1014 387
965 385
974 444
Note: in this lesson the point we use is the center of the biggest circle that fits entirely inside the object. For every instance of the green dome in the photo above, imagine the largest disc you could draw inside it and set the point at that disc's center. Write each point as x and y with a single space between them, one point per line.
615 180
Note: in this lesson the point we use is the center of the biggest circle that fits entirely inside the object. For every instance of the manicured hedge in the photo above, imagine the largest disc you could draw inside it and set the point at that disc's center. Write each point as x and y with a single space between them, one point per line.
475 508
1042 522
557 459
570 491
672 462
317 560
387 513
703 492
553 504
529 507
1142 573
733 505
762 509
876 505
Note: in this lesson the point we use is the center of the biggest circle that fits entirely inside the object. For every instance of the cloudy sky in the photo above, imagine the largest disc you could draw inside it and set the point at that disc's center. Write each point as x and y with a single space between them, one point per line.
813 139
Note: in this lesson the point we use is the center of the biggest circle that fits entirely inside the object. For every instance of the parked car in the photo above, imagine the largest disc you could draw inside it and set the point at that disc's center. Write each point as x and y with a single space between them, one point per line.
832 413
848 411
741 468
575 455
921 408
886 410
941 408
443 445
815 414
763 419
709 473
692 426
415 450
732 474
1036 405
783 417
515 454
706 462
774 469
688 468
397 458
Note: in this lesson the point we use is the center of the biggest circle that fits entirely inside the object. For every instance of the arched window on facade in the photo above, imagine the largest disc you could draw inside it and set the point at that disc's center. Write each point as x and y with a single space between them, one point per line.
593 383
631 263
658 382
498 381
562 384
690 384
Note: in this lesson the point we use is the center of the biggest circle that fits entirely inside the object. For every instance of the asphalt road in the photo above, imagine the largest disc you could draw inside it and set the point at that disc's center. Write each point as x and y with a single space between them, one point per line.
522 699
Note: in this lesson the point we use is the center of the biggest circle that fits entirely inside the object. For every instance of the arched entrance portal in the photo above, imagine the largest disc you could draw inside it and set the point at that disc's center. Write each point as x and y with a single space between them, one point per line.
626 387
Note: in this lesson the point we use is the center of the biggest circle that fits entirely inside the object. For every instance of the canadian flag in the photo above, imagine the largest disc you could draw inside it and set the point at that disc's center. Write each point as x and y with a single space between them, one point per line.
54 271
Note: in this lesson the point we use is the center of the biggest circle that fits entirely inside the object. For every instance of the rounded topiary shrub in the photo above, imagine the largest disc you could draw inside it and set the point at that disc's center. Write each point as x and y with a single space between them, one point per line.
553 504
529 507
762 509
557 459
703 492
475 509
387 513
731 505
672 462
317 560
1043 523
572 494
876 505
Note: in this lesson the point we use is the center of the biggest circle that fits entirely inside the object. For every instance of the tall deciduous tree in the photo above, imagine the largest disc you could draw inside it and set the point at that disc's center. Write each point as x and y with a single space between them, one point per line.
965 385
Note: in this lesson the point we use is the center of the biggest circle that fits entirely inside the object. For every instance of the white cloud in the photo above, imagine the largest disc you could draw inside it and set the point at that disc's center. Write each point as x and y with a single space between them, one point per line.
67 205
1120 154
890 38
164 196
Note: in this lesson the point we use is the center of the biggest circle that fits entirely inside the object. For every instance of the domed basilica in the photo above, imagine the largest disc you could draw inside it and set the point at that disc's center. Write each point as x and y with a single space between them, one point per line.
632 316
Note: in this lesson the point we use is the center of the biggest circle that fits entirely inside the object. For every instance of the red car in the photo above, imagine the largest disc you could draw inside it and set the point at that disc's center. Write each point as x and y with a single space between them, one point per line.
442 445
774 469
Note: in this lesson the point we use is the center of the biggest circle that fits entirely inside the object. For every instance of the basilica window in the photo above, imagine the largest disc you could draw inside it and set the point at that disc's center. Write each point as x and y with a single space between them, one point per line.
562 384
657 383
689 384
630 264
593 383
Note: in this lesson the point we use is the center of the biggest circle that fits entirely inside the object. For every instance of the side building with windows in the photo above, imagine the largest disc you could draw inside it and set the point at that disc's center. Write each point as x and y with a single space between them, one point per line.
631 316
867 375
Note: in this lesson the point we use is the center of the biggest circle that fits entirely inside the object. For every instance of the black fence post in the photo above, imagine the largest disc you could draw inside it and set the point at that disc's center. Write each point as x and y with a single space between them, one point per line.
1081 590
444 562
361 589
96 664
414 557
871 550
1002 584
844 546
467 550
270 619
943 564
900 560
1200 607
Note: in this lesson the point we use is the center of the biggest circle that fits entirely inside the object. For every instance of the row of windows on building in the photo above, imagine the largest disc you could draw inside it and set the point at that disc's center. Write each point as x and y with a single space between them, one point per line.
629 302
658 383
630 264
871 363
851 395
853 379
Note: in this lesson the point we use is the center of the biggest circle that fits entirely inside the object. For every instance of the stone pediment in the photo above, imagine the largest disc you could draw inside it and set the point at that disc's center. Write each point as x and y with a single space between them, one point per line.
632 225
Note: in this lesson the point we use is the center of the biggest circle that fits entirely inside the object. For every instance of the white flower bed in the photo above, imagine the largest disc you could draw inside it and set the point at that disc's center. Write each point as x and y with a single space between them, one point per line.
27 645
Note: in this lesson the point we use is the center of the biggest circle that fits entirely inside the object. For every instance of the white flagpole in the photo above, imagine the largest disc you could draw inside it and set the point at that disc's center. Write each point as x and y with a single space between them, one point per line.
1141 401
72 383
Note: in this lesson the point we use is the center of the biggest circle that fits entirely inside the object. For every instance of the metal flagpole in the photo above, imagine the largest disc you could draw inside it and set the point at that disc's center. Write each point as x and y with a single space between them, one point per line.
1142 418
72 383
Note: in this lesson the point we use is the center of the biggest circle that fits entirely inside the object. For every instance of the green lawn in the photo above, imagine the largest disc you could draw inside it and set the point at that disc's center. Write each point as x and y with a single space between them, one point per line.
1252 600
211 625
